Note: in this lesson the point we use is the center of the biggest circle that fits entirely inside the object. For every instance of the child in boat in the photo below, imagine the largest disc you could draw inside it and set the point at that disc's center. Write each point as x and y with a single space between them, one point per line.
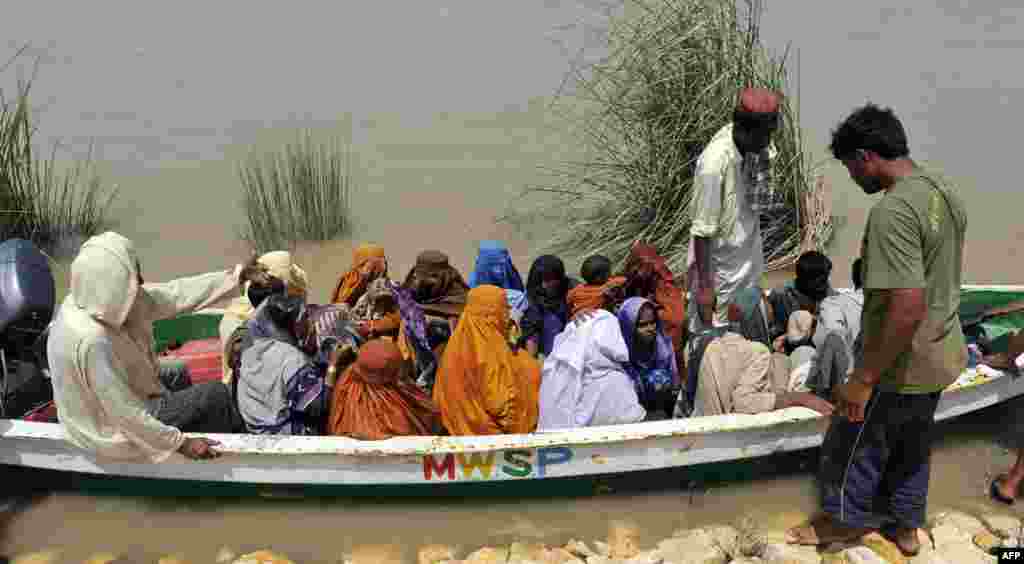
596 271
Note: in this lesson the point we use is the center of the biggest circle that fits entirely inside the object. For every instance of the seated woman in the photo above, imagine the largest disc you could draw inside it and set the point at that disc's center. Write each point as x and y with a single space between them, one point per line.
281 390
368 264
652 362
440 292
483 386
647 276
494 267
281 269
547 312
374 399
585 381
437 286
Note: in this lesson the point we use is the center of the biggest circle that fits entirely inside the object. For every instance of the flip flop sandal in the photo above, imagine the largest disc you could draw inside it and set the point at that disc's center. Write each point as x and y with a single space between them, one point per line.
995 494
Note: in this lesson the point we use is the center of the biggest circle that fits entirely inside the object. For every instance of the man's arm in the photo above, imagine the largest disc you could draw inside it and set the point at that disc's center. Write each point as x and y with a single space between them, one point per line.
707 212
186 295
905 309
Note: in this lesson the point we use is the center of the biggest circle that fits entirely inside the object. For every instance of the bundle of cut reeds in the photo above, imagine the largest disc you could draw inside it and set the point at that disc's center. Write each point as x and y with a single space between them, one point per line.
668 84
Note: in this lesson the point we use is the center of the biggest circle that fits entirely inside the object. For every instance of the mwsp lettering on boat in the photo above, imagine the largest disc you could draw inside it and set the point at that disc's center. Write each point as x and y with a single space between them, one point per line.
501 465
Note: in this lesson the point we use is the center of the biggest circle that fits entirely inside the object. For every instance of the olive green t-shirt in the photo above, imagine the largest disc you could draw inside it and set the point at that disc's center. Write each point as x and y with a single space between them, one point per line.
915 239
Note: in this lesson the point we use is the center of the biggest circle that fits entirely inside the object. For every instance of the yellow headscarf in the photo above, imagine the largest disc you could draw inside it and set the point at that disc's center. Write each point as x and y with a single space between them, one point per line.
279 265
482 387
365 256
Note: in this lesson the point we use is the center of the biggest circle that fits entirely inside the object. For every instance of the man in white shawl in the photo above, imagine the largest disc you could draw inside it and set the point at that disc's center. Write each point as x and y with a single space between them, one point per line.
106 376
584 382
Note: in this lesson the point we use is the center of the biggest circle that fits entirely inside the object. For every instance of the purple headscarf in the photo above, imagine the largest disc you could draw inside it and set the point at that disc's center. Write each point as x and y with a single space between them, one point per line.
664 357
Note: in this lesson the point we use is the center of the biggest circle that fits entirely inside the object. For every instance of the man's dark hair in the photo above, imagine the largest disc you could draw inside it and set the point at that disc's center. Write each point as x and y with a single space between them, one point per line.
259 292
812 275
870 128
284 310
596 270
858 276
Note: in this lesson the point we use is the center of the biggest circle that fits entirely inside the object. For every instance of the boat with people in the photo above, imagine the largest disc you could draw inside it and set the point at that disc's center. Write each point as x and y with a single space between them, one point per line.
689 449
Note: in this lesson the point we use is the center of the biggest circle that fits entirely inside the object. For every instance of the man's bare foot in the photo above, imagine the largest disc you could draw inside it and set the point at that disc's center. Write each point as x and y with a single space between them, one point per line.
824 530
905 538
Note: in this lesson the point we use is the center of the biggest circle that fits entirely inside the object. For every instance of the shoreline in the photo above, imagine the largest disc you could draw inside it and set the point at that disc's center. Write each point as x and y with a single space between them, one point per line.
951 536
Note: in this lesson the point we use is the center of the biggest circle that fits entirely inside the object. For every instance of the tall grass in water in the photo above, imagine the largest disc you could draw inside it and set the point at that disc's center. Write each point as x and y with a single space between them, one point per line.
669 82
51 207
300 193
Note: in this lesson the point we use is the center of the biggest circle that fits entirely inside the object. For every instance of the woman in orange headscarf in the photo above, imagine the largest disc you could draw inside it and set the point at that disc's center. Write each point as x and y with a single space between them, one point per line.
368 264
483 387
373 400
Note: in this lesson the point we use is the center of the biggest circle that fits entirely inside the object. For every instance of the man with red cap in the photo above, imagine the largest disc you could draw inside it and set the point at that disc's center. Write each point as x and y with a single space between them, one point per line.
725 237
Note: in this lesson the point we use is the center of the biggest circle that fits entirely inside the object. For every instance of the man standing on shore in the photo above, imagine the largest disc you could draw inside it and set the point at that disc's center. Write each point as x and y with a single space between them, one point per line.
875 458
725 238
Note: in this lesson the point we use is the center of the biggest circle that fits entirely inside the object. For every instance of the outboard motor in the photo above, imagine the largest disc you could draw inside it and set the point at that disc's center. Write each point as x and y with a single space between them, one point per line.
27 300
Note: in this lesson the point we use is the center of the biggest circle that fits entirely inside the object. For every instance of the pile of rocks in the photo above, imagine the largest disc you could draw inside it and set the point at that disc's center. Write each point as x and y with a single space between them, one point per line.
952 537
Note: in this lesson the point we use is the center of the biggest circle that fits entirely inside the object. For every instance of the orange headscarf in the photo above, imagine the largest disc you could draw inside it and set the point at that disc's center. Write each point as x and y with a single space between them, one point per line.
482 387
645 262
372 401
351 285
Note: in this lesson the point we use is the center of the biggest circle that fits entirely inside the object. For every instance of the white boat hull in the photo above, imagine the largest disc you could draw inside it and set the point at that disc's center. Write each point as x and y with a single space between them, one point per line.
428 462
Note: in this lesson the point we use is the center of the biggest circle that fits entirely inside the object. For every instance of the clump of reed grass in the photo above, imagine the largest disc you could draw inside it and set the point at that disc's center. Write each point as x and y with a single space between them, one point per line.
669 82
40 201
299 193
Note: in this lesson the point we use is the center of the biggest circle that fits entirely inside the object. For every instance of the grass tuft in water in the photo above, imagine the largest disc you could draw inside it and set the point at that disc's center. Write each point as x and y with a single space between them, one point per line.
669 82
54 208
299 193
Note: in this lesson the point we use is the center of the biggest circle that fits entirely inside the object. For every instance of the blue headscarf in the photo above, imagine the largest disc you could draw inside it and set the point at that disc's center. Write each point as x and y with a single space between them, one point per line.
657 372
494 266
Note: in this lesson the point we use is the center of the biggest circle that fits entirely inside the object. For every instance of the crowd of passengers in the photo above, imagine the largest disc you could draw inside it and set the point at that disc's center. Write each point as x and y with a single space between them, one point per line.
436 353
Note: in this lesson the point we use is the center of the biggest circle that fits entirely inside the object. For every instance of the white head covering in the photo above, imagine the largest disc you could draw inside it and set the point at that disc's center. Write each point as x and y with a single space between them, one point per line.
105 278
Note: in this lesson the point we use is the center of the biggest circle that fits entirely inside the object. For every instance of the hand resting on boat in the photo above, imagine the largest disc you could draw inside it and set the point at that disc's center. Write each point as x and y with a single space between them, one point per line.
198 448
803 399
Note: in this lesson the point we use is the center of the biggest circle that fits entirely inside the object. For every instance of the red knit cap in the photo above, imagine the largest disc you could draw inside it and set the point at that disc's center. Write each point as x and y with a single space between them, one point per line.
759 101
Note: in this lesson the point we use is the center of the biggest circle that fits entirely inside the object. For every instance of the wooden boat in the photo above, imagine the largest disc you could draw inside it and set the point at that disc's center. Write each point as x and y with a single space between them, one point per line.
684 449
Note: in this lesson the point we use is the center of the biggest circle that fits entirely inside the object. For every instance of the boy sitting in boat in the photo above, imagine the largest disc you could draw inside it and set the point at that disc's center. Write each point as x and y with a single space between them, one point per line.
106 377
